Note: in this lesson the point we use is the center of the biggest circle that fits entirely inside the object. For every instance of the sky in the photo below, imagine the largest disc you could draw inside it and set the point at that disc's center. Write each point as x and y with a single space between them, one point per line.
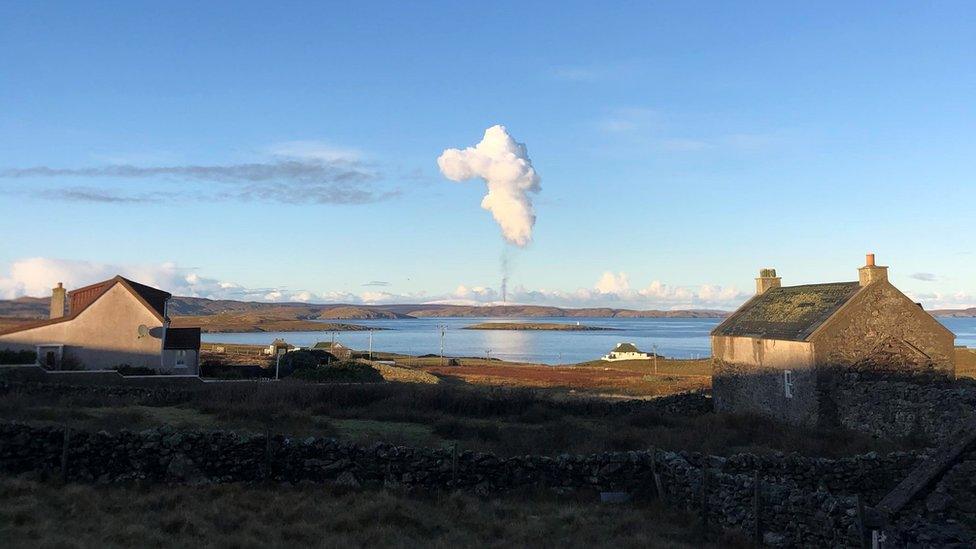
651 155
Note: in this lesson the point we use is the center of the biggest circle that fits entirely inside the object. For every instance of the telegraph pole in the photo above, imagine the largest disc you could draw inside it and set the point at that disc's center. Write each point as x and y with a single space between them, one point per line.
655 359
371 344
443 328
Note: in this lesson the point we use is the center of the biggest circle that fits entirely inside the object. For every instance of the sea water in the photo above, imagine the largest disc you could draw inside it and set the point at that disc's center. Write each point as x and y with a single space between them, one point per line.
674 337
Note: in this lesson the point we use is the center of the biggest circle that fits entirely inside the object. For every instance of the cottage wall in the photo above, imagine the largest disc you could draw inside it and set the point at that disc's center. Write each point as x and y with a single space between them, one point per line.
103 336
880 326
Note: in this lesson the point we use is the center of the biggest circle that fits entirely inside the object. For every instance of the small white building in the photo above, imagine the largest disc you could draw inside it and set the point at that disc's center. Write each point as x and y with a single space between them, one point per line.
626 351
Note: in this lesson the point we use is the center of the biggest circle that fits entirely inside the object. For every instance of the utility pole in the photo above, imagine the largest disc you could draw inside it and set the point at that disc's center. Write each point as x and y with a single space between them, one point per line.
278 352
487 357
655 359
371 344
443 328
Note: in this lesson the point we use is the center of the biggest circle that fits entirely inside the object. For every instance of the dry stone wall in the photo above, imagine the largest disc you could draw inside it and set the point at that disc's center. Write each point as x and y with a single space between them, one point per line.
890 406
797 508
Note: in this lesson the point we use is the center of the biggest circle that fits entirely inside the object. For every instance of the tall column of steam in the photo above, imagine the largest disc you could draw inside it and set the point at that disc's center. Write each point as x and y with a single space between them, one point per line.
505 167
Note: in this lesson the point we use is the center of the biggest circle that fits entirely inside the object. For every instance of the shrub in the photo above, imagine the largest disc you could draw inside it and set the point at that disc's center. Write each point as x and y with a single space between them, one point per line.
341 372
128 370
8 356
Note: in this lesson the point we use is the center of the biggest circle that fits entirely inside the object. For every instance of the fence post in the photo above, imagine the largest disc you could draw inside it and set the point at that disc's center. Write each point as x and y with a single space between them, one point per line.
862 538
757 508
454 464
64 454
704 499
267 453
658 488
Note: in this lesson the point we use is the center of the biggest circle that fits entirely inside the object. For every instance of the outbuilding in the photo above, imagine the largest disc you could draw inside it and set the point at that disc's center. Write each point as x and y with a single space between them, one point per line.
775 355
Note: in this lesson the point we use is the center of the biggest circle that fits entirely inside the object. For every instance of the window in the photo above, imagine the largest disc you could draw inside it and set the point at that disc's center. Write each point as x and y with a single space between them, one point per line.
181 357
788 383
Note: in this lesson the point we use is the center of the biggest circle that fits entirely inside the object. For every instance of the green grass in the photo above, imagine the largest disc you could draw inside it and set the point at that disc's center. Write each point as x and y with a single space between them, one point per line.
34 514
502 421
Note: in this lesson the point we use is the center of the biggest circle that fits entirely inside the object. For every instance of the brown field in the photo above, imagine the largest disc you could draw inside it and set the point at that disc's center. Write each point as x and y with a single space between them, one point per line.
257 322
965 362
547 326
36 514
631 378
12 322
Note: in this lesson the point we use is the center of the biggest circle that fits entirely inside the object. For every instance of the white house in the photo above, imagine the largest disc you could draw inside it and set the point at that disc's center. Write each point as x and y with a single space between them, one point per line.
105 325
626 351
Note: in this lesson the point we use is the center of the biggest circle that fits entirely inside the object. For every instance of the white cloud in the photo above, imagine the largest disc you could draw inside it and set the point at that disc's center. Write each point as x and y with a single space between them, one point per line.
504 165
943 300
314 150
36 276
611 283
629 119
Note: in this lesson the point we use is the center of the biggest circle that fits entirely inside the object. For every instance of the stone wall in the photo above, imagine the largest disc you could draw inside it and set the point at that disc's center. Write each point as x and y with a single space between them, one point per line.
880 325
804 501
892 406
743 389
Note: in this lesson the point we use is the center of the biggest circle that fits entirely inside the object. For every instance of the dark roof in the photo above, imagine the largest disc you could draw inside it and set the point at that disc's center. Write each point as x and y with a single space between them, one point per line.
155 298
182 338
328 345
790 313
625 348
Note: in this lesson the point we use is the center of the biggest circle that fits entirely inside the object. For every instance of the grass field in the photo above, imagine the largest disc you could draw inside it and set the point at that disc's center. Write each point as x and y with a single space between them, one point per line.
499 420
239 516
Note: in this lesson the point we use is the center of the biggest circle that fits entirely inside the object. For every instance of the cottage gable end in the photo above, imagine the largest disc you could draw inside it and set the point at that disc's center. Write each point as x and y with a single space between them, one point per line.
883 326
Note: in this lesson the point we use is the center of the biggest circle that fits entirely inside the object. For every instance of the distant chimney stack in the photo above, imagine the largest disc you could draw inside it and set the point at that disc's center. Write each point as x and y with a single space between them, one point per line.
767 280
870 272
57 301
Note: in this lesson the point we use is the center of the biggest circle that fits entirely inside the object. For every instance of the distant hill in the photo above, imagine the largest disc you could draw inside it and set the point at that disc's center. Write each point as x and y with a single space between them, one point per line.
958 313
37 307
179 306
26 307
555 312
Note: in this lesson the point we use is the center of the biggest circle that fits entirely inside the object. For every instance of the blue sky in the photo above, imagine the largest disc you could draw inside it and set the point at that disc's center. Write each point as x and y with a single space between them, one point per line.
681 146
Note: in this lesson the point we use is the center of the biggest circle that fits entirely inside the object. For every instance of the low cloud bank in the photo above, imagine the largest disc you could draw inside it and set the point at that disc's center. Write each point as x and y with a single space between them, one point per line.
36 276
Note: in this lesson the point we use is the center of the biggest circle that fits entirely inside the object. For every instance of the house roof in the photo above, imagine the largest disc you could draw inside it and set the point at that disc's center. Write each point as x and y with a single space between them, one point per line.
182 338
789 313
625 348
328 345
81 298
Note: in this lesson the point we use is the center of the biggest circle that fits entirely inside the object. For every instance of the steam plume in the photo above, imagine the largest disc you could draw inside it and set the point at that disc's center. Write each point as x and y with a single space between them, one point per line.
505 166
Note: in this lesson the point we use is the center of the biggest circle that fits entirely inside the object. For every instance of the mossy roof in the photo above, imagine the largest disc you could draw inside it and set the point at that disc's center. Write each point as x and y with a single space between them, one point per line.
790 313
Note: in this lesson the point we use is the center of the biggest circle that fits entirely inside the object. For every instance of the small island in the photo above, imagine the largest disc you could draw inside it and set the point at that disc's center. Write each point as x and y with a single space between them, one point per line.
547 326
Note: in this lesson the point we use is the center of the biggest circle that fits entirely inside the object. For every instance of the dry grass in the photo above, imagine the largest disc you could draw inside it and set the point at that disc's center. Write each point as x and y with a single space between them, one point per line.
260 322
404 375
965 362
632 378
503 421
33 514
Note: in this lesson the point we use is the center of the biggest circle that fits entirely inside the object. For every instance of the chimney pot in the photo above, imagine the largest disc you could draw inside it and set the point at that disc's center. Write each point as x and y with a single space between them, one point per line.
871 273
767 280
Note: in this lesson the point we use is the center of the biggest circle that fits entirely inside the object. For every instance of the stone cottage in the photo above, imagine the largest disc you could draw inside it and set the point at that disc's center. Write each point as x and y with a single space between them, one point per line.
105 325
777 354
